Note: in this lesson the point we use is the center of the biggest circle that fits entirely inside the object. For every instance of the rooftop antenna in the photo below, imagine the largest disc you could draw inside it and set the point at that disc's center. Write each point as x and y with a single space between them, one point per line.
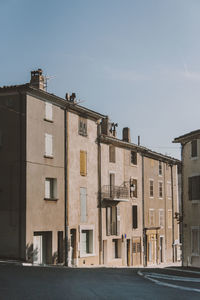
46 79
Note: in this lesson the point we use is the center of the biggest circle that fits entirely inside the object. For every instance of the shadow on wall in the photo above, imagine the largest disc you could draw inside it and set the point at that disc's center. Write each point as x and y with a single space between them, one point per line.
32 256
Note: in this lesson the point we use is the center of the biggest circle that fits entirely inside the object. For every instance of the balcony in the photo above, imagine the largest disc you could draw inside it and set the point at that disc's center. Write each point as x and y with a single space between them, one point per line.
115 193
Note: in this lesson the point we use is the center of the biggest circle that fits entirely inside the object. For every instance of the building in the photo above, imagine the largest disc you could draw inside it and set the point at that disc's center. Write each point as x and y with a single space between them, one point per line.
72 192
190 153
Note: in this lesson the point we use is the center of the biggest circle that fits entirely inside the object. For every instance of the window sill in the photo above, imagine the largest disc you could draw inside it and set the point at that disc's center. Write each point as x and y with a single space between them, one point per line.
51 199
134 165
48 120
87 254
194 158
83 134
48 156
151 197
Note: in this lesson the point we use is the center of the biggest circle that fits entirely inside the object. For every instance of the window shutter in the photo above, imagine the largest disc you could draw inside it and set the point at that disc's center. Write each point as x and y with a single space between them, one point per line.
83 163
118 219
112 154
135 191
48 111
48 145
135 217
47 188
83 200
108 220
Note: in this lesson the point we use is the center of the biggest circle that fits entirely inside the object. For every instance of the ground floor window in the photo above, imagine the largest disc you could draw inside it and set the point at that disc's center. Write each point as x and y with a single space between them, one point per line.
87 242
116 248
195 232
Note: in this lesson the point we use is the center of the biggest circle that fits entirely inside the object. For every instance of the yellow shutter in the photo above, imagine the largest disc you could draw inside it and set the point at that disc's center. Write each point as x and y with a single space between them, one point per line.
83 163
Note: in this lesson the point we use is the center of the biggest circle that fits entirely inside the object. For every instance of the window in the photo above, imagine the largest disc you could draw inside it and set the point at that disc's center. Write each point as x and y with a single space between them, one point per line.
195 240
160 191
194 188
112 154
169 218
133 187
160 168
169 190
48 145
83 163
83 203
194 148
116 248
135 216
48 111
134 157
161 218
151 217
82 126
151 188
86 242
113 220
50 188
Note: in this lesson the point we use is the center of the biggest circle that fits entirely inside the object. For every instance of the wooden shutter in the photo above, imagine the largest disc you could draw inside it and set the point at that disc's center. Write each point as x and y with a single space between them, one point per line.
135 216
194 148
83 163
47 188
48 111
112 154
108 220
83 204
118 219
135 191
48 145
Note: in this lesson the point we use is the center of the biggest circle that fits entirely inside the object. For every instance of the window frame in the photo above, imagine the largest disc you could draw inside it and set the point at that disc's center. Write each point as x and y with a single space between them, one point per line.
53 189
160 184
82 126
48 152
160 168
151 181
48 112
89 228
112 154
194 149
133 161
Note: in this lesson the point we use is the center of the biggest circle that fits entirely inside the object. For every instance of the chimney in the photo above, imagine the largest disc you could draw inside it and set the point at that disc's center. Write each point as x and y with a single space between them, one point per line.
105 126
126 134
37 79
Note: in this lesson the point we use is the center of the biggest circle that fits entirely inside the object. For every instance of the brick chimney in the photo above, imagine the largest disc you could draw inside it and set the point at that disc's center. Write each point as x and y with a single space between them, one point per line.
37 79
126 134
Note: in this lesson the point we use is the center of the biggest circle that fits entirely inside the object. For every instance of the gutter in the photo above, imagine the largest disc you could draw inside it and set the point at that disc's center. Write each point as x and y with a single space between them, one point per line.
172 191
66 221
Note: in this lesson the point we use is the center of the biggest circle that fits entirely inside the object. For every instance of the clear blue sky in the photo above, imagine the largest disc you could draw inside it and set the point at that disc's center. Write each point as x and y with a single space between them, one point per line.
135 60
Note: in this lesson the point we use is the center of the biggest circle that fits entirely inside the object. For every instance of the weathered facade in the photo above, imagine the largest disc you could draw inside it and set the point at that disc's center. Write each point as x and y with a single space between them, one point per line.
72 192
189 216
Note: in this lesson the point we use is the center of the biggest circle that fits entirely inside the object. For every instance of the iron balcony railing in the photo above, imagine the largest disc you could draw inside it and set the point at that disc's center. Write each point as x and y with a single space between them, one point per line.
117 193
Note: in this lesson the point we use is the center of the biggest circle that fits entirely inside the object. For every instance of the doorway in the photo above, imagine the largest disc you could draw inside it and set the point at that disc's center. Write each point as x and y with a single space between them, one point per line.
161 249
73 246
42 247
128 252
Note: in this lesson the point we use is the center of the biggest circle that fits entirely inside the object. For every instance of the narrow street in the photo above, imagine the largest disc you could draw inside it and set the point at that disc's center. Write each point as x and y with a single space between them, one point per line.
25 282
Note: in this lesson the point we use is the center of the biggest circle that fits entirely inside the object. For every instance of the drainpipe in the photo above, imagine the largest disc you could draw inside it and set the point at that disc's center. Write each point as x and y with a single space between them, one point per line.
99 193
66 182
182 207
143 218
172 191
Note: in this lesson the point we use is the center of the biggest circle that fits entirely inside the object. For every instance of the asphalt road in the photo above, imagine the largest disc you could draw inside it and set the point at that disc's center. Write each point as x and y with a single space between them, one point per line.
20 282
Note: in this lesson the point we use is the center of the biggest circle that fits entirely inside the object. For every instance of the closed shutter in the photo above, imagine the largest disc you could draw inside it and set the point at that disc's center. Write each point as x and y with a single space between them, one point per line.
118 219
135 217
114 221
84 241
48 111
48 145
83 163
112 154
108 220
83 200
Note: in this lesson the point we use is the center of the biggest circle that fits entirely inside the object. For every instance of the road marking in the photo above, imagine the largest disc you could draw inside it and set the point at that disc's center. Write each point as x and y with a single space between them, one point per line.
173 277
168 284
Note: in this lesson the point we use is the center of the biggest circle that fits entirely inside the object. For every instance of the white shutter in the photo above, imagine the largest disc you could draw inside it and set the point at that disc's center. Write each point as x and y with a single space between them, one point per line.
48 144
48 111
47 188
83 200
118 220
84 242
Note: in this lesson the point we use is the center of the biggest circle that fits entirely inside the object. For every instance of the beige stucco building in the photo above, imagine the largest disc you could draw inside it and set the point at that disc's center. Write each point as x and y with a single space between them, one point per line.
72 192
190 215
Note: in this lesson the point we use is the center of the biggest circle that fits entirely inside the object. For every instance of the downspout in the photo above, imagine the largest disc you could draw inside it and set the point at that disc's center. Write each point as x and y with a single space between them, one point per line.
172 191
66 182
182 207
143 218
99 192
